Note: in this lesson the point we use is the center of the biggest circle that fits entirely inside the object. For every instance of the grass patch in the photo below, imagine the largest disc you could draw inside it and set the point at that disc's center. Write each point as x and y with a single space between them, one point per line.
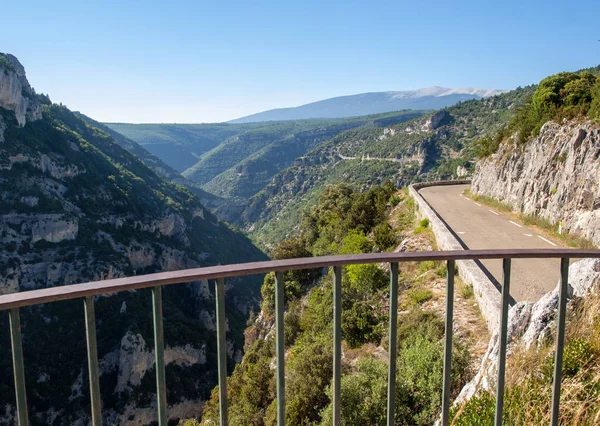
466 290
417 296
528 387
423 225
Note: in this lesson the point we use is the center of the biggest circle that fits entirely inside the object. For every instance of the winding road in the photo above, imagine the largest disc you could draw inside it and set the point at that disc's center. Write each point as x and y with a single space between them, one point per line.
480 227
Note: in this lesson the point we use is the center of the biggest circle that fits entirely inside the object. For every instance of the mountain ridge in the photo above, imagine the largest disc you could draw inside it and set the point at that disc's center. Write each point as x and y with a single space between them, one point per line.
429 98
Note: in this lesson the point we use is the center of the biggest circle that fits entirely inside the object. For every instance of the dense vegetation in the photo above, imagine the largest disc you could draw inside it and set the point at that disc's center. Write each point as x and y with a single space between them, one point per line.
425 148
179 145
562 96
343 221
154 162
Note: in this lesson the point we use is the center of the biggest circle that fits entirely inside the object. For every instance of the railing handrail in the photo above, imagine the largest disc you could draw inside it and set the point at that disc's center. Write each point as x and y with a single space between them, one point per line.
86 292
94 288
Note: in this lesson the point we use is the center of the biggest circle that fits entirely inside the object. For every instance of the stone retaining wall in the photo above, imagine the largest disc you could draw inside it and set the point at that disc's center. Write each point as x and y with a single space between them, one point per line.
486 294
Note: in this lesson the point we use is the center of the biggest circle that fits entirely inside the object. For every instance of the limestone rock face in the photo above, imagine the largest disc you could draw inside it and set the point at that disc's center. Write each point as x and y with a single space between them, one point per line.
555 176
133 359
16 94
54 229
436 120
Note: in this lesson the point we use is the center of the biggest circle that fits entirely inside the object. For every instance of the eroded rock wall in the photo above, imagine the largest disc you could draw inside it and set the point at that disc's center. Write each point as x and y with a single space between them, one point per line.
555 176
16 94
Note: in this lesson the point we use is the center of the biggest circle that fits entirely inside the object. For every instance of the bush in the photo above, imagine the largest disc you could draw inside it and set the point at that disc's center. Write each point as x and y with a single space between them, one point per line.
577 354
309 371
364 393
466 291
420 367
563 95
361 324
418 296
395 200
384 236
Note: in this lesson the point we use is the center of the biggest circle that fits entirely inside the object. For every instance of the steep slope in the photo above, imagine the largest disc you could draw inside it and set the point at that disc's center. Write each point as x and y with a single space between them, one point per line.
76 207
347 221
435 146
209 200
179 145
545 163
372 103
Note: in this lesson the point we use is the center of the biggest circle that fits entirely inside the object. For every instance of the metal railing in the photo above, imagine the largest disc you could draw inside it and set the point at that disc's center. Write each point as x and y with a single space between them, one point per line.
87 291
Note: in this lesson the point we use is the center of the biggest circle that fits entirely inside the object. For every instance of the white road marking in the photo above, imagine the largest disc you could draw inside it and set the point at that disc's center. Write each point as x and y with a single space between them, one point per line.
478 204
494 212
514 223
528 235
460 233
548 241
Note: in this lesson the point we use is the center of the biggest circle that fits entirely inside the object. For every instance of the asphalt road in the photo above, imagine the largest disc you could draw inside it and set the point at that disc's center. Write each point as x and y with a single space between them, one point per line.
480 227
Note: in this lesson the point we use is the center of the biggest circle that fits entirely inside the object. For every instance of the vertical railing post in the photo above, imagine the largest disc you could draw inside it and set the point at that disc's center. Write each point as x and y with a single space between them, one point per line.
17 357
221 350
159 351
92 353
503 340
337 344
280 346
446 391
392 345
560 338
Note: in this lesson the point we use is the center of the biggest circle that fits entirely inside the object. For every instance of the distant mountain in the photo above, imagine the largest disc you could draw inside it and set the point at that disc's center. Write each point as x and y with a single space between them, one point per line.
372 103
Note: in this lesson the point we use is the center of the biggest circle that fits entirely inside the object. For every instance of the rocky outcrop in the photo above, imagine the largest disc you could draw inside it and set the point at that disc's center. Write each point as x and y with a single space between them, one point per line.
15 92
133 359
54 229
531 324
556 176
436 120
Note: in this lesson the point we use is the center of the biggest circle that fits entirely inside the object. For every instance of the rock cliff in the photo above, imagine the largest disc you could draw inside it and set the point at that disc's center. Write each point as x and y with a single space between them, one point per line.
75 206
15 92
555 176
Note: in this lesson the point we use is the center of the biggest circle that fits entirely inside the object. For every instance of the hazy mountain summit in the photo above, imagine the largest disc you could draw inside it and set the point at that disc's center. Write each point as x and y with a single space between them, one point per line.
373 103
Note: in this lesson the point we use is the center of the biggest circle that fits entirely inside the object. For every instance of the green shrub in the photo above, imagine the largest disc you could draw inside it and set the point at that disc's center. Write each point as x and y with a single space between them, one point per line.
395 200
361 324
466 291
418 296
478 411
384 236
364 393
423 225
420 366
577 354
426 265
563 95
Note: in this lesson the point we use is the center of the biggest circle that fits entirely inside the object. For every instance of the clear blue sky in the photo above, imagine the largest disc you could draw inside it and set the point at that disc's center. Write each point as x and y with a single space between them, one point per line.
196 61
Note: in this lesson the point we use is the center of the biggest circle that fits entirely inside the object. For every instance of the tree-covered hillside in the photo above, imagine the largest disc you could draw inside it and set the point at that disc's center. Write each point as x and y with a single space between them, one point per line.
156 164
559 97
180 145
427 148
78 207
346 221
245 164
